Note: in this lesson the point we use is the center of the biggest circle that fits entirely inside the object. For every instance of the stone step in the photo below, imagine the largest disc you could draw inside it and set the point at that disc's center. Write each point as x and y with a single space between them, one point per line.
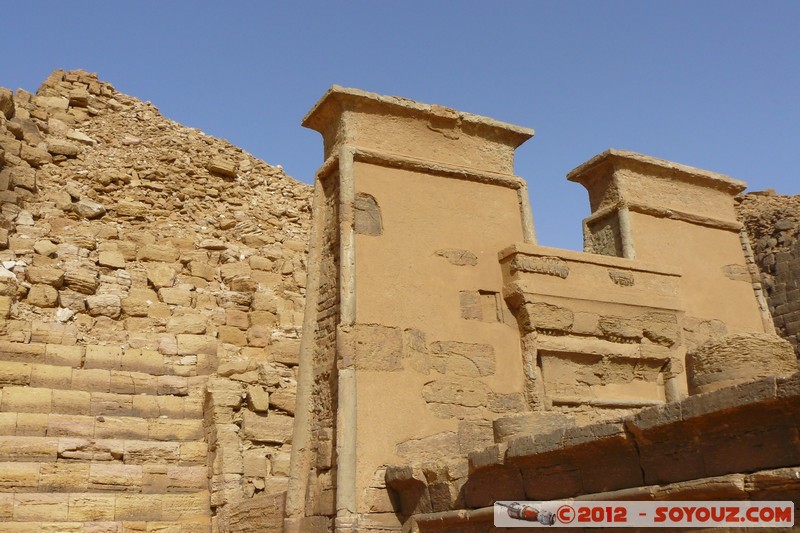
197 525
126 451
56 510
15 373
109 358
74 476
100 427
43 400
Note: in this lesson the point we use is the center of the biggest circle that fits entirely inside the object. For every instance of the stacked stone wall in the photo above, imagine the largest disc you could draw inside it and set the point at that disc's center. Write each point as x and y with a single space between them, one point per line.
152 284
773 224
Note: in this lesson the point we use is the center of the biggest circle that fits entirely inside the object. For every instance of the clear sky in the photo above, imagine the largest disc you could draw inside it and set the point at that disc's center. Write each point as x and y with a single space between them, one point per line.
712 84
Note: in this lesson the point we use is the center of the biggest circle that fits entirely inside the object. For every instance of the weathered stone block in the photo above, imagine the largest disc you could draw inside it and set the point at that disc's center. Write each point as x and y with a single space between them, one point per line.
196 344
274 428
43 296
455 398
463 359
458 257
45 275
82 280
104 305
188 323
111 259
378 347
161 275
222 167
367 214
543 316
736 359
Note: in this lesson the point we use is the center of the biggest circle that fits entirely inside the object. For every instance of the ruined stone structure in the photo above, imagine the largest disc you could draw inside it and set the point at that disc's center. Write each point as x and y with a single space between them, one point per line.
455 362
172 360
151 290
773 223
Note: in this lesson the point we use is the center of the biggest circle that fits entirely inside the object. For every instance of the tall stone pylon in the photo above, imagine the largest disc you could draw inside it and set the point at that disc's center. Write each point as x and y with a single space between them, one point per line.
408 349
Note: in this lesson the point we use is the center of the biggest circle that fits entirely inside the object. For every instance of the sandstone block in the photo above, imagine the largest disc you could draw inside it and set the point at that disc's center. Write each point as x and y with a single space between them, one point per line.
80 137
26 400
463 359
378 347
232 270
103 357
738 358
259 336
142 360
189 323
144 507
111 259
31 507
71 402
22 477
258 399
255 462
131 209
231 335
104 305
138 302
160 275
622 327
163 254
34 156
286 351
203 270
237 319
260 263
57 354
196 344
91 507
78 97
243 284
285 399
174 296
273 428
89 209
82 280
20 245
175 430
265 301
222 167
7 103
43 296
45 247
48 276
23 177
5 306
543 316
59 147
32 424
452 397
52 377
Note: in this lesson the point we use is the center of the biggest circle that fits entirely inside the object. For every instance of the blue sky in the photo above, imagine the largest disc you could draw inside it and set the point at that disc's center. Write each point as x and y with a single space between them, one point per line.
709 84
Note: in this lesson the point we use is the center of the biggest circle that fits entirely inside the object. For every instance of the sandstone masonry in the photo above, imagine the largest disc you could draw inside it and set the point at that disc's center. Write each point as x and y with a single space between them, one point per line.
153 281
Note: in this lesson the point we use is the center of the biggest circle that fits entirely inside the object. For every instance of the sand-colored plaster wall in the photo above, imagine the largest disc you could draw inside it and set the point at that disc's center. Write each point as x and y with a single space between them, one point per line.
716 283
405 280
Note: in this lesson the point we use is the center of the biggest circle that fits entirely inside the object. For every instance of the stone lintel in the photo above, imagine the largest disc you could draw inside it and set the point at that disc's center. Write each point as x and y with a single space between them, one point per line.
613 159
618 181
346 116
570 256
